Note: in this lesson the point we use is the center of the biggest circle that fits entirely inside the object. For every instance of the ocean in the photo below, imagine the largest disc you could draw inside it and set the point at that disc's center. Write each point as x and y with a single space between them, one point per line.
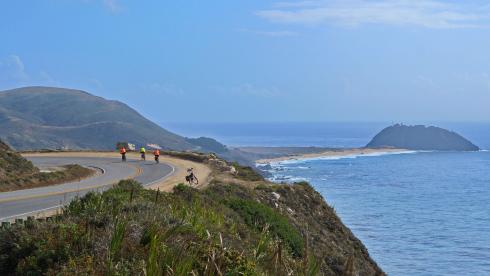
418 213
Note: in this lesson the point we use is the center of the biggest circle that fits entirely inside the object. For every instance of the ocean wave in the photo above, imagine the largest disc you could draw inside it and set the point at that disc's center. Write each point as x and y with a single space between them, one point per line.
282 164
287 178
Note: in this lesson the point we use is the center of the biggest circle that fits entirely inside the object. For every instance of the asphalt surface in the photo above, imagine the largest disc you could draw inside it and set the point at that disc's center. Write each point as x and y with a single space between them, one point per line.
24 203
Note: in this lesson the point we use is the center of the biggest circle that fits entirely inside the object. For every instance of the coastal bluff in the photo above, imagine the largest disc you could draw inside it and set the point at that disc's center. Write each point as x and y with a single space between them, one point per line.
420 137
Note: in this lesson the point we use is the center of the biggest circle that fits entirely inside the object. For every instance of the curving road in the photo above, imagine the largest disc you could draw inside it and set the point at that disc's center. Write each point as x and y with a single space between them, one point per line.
29 202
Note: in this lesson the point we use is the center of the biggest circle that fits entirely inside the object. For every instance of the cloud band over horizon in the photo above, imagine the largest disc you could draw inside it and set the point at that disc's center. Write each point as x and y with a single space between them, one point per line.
420 13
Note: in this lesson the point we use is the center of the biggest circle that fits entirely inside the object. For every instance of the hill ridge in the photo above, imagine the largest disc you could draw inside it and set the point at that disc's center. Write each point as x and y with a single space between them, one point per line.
41 117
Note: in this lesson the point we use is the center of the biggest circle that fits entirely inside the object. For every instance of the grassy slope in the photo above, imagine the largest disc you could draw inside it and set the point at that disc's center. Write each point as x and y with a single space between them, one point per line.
239 225
13 165
51 118
17 172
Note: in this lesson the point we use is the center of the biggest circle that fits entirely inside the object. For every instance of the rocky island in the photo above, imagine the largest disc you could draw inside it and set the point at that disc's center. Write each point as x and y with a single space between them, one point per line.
420 137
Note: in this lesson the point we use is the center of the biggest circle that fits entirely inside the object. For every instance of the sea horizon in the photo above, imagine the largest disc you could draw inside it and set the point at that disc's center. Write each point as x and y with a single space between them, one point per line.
349 134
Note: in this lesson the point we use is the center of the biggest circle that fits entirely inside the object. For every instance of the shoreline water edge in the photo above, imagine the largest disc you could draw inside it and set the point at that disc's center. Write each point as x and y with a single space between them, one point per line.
331 155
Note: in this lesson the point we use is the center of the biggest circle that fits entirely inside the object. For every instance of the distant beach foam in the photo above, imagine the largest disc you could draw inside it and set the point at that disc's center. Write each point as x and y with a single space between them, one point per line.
331 155
350 156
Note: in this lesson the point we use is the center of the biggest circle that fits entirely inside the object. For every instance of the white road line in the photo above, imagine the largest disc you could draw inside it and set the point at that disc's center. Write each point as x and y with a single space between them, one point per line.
160 179
97 168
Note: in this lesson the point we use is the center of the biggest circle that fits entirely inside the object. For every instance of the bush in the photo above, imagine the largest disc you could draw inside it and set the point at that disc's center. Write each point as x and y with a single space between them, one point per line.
126 230
259 215
129 184
191 156
246 173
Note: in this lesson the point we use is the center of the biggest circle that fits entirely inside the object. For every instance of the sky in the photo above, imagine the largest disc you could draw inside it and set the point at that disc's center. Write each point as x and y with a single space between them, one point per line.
258 60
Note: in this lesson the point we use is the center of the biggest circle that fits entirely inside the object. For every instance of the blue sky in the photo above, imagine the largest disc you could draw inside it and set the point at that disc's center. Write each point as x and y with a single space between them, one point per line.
235 61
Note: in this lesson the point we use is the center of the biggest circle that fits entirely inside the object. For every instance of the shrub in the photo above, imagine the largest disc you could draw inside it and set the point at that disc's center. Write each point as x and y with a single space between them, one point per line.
187 232
246 173
129 184
259 215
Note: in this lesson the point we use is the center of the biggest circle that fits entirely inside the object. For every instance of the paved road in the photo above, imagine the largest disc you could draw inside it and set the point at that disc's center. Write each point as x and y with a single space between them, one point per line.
28 202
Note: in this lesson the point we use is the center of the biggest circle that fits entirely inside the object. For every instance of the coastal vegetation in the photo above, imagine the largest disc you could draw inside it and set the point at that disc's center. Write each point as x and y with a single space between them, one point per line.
208 144
233 226
129 230
246 173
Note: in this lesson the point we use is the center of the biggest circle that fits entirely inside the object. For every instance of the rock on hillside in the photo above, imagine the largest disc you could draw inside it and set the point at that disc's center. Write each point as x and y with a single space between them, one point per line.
52 118
421 138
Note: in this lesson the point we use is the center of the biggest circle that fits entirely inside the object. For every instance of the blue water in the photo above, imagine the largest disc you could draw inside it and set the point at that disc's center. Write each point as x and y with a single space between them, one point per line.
425 213
418 214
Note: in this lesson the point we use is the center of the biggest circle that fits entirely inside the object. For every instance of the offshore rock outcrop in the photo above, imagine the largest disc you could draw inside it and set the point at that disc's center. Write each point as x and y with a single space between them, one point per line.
420 137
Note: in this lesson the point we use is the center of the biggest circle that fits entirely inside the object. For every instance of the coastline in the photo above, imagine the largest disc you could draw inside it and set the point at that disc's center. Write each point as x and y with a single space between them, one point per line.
299 208
332 153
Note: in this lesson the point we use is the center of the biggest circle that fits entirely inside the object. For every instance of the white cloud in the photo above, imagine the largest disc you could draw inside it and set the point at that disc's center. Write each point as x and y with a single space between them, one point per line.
253 90
12 69
270 33
157 88
13 73
421 13
95 83
112 5
47 79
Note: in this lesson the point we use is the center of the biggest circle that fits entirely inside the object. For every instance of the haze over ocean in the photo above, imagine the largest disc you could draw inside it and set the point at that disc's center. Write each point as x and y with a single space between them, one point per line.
423 213
321 134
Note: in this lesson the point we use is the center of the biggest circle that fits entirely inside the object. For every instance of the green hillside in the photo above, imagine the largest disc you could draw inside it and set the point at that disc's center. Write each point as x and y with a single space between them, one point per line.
53 118
12 165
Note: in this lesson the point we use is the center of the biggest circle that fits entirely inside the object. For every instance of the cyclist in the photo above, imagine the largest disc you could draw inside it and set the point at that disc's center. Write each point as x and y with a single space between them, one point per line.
191 177
122 151
157 155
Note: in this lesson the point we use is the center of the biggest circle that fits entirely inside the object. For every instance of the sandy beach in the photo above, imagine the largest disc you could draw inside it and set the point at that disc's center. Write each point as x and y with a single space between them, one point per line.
330 153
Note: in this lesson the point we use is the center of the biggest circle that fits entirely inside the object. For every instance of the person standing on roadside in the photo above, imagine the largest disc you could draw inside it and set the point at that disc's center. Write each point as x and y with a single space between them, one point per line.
122 151
143 153
157 155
